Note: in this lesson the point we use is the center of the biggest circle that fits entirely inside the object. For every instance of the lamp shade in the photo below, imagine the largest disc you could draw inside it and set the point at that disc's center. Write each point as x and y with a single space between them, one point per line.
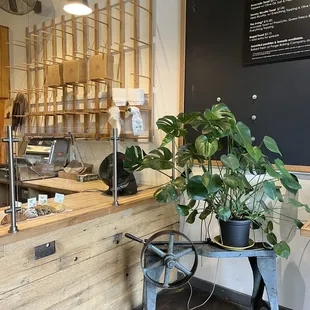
77 7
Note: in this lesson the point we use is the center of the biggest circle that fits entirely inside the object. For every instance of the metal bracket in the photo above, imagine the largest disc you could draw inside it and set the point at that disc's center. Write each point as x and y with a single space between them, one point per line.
44 250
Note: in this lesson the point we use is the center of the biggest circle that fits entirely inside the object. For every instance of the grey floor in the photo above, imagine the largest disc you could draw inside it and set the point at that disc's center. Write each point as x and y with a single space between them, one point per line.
177 300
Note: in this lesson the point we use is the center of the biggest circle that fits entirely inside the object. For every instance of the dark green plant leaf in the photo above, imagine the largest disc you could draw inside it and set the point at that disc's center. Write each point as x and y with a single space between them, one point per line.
245 183
282 249
188 118
270 190
169 137
270 170
158 159
134 156
179 183
271 145
206 179
224 213
215 184
290 184
230 161
205 213
205 147
272 238
231 181
254 152
242 134
191 218
307 208
298 223
295 203
279 195
218 112
195 188
166 194
192 203
183 210
280 166
269 227
187 154
170 124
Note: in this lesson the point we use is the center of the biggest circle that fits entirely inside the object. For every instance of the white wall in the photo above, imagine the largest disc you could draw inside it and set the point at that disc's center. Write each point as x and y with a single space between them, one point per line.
293 274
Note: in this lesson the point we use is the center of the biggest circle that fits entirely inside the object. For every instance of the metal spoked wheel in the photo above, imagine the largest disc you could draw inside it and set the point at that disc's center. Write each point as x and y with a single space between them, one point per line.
159 259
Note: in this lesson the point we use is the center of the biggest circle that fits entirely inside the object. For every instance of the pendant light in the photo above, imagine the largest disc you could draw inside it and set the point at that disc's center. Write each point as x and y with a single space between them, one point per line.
77 7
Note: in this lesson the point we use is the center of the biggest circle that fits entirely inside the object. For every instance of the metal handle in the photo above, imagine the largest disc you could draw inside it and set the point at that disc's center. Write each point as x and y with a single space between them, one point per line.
134 238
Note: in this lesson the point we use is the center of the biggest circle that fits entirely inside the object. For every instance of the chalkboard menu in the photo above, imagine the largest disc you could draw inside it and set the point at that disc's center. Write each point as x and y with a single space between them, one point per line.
276 30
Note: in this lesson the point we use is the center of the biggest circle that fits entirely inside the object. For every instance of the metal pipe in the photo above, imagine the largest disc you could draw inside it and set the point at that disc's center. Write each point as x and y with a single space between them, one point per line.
13 228
115 187
173 158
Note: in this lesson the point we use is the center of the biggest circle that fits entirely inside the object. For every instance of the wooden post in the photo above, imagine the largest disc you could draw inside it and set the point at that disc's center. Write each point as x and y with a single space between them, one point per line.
151 69
109 44
45 88
54 57
64 88
28 60
97 46
36 76
74 50
85 40
136 21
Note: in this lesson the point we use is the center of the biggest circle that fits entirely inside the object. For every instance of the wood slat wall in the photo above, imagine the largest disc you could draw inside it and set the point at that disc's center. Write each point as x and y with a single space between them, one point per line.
88 270
4 85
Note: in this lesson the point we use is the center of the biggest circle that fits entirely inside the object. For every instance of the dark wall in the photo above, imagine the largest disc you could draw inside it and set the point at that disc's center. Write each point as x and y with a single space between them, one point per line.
214 44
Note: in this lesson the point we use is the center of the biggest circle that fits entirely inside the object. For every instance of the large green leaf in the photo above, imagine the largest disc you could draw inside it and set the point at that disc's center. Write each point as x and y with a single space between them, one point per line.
272 238
183 210
219 112
195 188
179 183
166 194
270 170
290 184
205 147
270 190
158 159
206 179
223 213
282 249
168 138
170 124
134 156
271 145
205 213
215 184
191 218
254 152
242 134
279 195
187 154
188 118
230 161
231 181
280 166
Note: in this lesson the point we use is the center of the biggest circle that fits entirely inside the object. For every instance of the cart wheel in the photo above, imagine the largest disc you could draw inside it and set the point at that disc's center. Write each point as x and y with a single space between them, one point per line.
160 256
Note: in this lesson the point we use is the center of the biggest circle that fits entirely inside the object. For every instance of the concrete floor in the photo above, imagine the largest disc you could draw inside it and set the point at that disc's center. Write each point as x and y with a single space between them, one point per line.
177 300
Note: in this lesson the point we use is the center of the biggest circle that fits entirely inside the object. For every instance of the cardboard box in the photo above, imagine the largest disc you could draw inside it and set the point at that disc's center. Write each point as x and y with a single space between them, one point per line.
75 71
54 76
100 67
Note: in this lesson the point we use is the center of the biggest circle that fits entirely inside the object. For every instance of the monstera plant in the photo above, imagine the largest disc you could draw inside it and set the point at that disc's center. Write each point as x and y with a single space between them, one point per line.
237 183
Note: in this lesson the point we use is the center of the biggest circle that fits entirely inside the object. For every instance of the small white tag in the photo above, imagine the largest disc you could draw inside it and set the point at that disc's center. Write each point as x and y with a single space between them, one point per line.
42 200
32 202
18 204
59 198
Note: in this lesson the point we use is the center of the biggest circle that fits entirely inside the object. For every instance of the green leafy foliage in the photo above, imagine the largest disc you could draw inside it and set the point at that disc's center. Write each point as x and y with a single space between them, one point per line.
242 134
270 190
230 161
170 124
205 147
298 223
205 213
168 138
282 249
187 154
183 210
166 194
134 156
195 189
158 159
191 218
271 145
255 152
272 238
224 213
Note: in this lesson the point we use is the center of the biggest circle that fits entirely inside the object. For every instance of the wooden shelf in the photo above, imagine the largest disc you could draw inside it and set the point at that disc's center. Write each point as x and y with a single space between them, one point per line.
305 230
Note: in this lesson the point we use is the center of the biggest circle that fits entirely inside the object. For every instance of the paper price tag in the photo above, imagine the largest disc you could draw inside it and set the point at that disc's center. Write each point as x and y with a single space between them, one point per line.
18 204
42 200
32 202
59 198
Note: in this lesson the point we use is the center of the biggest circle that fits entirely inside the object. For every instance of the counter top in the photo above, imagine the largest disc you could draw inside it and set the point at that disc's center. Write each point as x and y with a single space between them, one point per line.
80 207
65 186
305 230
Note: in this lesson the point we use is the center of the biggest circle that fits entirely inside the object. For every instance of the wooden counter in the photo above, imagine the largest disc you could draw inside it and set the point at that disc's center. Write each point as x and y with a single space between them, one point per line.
305 230
89 270
64 186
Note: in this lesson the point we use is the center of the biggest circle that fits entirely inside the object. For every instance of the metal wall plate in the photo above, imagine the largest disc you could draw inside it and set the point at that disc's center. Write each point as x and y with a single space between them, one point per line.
44 250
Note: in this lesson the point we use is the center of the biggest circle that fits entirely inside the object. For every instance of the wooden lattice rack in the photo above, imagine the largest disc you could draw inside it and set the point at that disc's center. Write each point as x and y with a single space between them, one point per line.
121 28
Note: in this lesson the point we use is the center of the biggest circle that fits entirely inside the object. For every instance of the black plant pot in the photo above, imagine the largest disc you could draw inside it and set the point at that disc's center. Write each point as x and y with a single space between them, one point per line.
235 233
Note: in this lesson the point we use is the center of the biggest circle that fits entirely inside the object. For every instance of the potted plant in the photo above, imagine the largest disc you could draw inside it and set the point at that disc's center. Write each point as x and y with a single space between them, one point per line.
236 176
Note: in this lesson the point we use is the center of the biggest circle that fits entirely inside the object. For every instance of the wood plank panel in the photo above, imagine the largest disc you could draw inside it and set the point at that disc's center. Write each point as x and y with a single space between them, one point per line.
305 230
88 270
4 63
